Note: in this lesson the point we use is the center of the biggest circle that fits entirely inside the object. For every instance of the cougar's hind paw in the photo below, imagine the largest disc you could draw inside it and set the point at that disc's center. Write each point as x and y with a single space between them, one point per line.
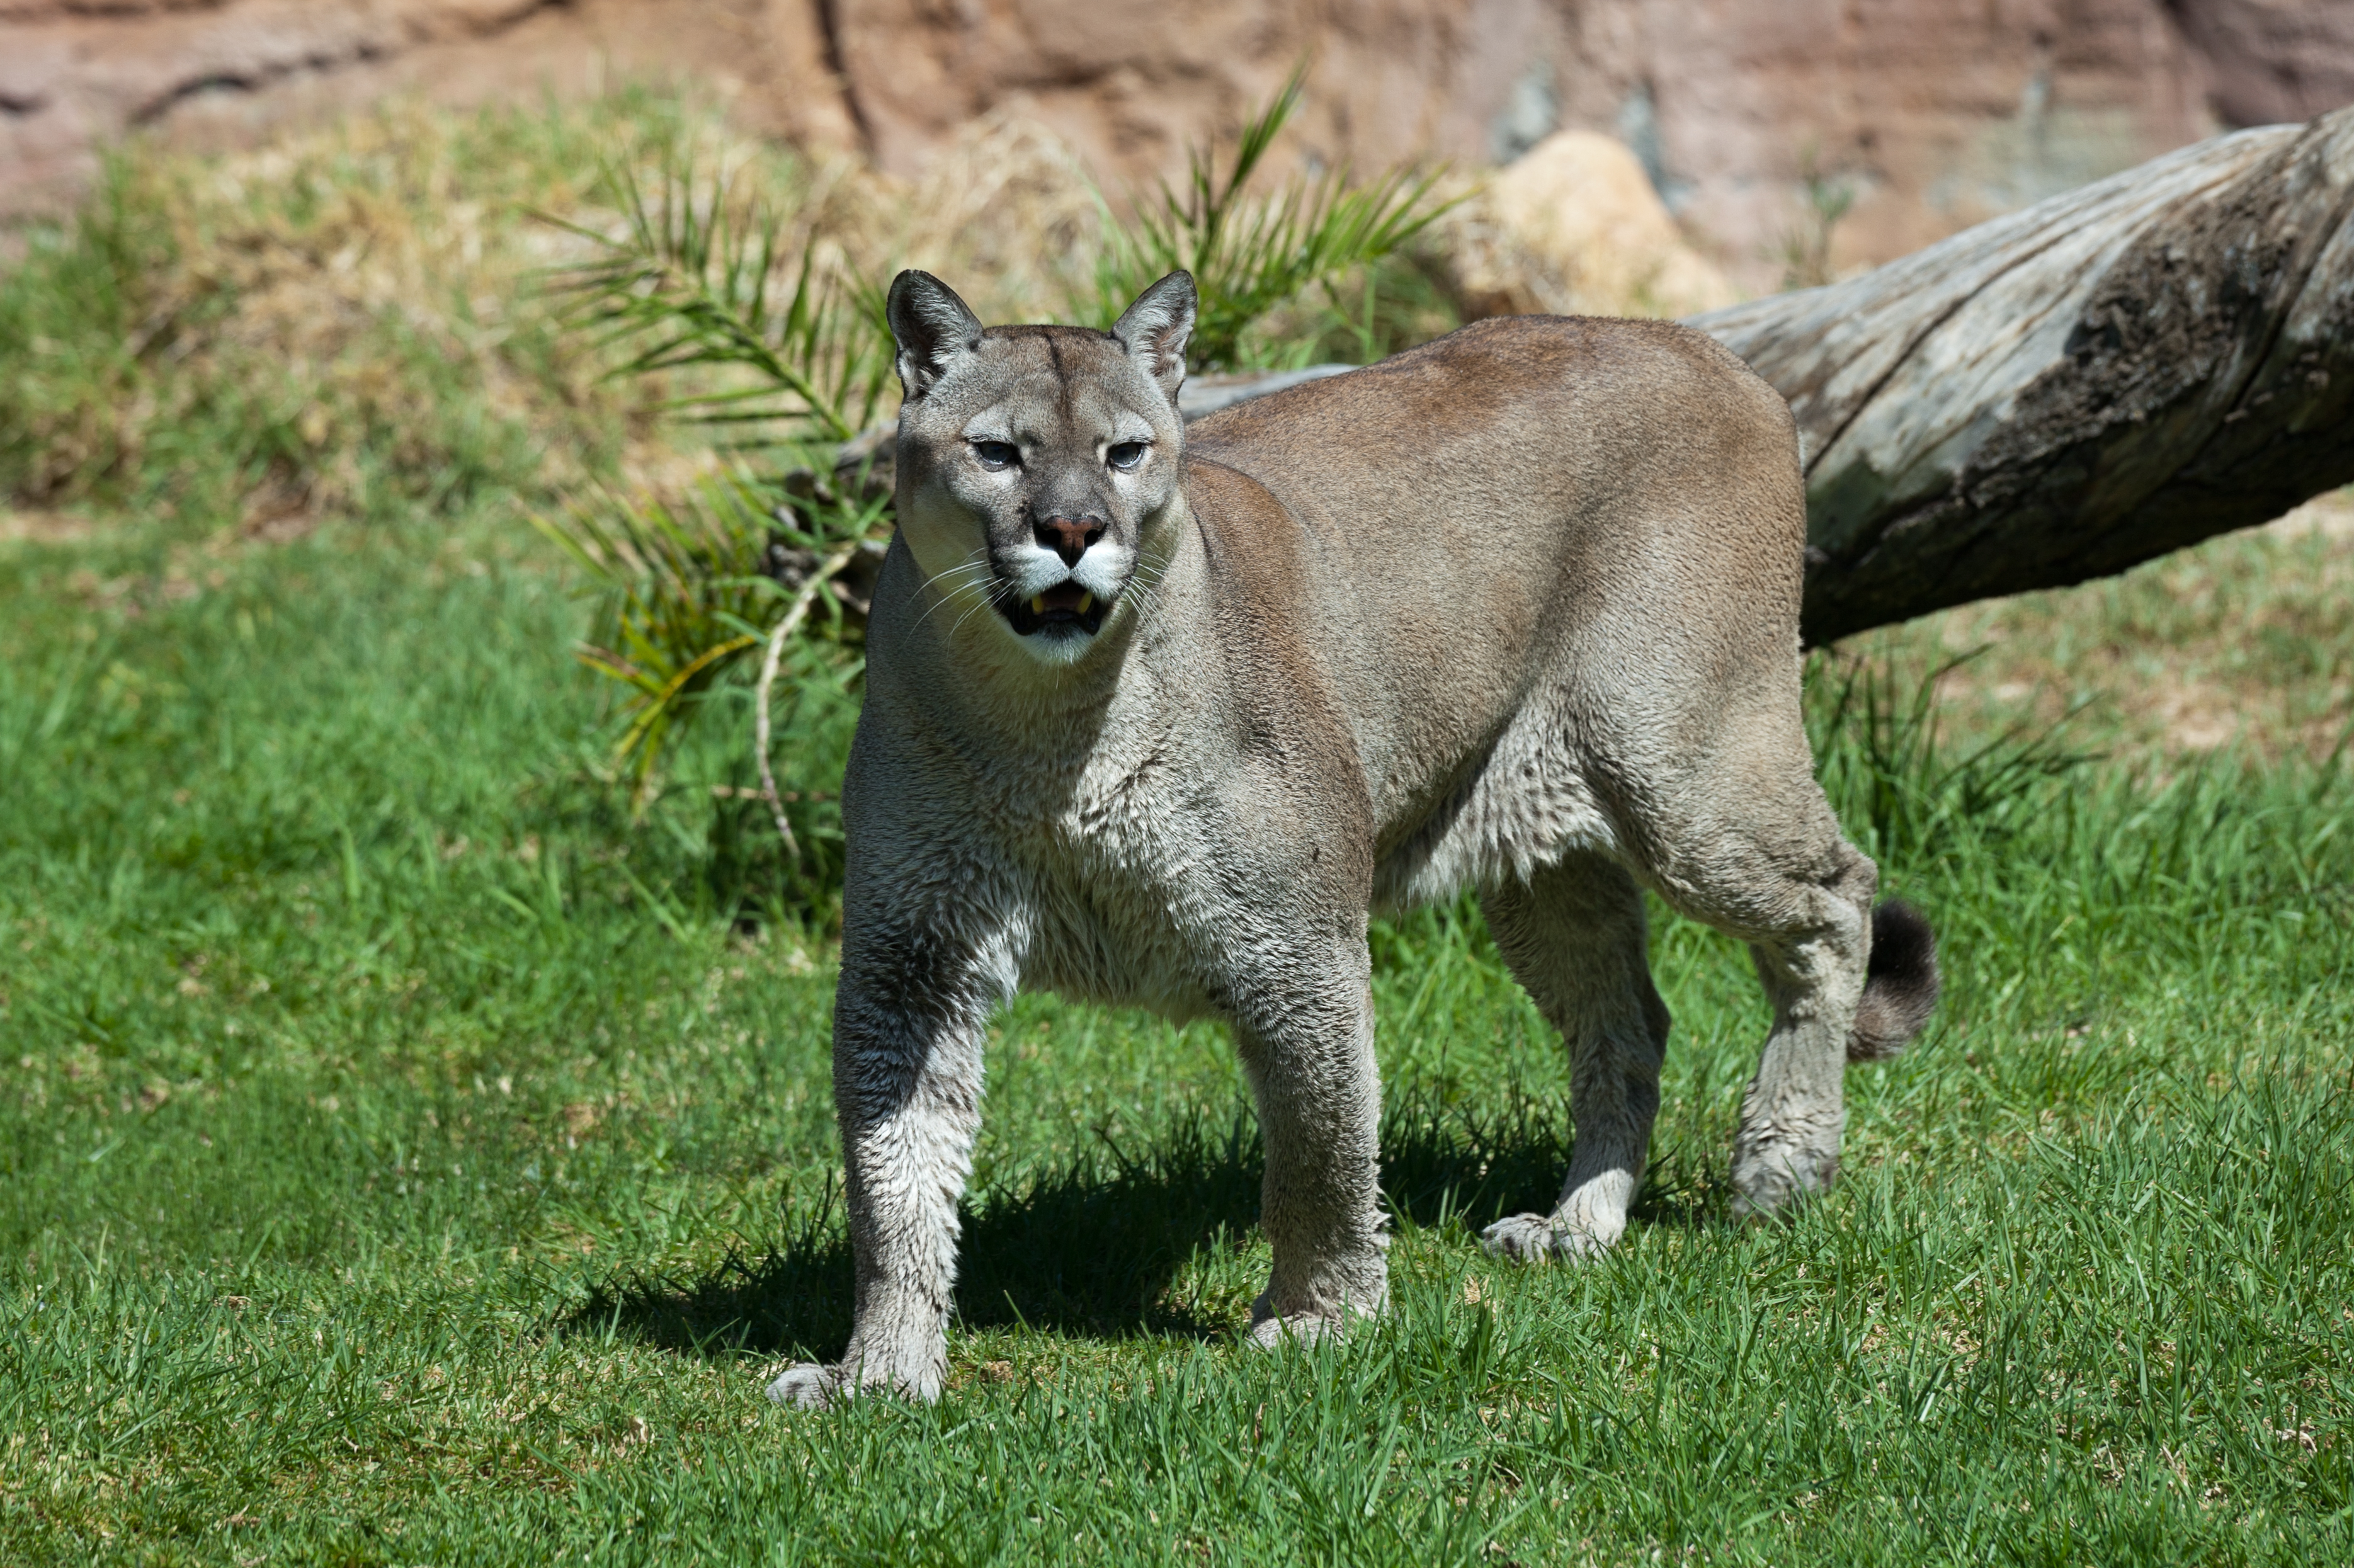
808 1385
1538 1238
1772 1181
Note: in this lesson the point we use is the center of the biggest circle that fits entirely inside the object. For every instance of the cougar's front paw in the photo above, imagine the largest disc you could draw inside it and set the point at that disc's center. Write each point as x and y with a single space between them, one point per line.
1326 1312
1539 1238
1770 1180
809 1385
813 1385
1272 1333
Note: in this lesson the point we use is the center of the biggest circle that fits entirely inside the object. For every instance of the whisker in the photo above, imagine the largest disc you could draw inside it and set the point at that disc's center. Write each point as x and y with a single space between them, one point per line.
1144 581
965 568
968 571
989 598
987 602
969 563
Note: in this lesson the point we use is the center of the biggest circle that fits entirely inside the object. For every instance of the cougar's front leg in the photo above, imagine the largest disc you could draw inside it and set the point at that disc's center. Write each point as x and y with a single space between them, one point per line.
909 1017
1306 1035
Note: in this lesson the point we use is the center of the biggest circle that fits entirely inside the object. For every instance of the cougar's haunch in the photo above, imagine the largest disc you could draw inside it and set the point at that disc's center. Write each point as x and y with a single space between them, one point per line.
1161 716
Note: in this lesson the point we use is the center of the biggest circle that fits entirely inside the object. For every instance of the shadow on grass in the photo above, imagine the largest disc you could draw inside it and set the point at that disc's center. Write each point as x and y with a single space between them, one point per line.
1092 1248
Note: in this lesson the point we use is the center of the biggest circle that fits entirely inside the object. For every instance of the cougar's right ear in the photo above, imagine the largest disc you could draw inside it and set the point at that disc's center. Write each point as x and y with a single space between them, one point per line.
932 327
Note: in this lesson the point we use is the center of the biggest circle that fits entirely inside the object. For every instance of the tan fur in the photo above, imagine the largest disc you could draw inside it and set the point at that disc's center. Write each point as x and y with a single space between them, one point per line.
1517 609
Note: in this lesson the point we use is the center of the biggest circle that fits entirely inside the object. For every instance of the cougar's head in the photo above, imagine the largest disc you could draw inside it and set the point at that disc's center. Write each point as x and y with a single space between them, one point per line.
1038 465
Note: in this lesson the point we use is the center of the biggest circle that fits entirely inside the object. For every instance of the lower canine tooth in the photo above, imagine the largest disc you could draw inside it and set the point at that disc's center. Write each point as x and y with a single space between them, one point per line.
1087 602
1038 604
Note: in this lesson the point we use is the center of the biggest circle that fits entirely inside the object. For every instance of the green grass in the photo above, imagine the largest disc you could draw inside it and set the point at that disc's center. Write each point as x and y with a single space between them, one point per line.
408 1153
409 1158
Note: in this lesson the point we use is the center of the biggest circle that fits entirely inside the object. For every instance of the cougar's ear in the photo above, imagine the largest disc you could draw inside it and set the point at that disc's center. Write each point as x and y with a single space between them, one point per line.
933 328
1154 330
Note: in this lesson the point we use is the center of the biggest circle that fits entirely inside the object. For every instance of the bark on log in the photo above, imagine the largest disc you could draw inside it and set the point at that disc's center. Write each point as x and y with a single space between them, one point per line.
2062 393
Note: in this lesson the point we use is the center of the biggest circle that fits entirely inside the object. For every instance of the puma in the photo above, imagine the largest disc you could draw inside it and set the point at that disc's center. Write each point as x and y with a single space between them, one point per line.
1159 716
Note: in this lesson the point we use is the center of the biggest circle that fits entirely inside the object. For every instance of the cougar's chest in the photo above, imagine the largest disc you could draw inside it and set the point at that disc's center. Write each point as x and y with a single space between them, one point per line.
1111 870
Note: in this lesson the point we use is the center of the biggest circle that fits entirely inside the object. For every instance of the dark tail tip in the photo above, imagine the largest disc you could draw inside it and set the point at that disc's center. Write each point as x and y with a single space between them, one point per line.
1900 985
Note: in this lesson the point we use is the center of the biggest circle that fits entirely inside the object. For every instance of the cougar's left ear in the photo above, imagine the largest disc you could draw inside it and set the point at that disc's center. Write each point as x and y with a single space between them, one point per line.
1154 330
933 328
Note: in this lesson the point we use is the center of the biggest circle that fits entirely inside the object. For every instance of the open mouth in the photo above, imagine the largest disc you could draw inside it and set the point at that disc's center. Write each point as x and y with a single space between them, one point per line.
1066 604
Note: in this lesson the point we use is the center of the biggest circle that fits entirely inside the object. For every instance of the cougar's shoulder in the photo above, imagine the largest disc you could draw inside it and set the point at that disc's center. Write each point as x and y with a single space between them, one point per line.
1266 626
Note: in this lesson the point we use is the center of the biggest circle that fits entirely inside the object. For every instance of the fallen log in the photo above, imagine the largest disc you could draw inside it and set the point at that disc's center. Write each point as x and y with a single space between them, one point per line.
2062 393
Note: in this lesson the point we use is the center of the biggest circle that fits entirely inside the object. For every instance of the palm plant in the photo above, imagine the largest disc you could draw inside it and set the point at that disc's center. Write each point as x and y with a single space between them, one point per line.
1249 258
787 353
689 594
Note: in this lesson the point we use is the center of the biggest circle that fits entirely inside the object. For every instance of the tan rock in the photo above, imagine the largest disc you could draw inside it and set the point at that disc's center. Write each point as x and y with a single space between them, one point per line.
1575 228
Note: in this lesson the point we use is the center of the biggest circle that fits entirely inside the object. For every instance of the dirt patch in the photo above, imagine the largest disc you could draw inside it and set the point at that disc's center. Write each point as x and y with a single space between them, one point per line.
38 527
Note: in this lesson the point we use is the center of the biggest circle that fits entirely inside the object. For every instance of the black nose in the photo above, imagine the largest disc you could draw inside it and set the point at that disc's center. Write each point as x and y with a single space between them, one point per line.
1068 536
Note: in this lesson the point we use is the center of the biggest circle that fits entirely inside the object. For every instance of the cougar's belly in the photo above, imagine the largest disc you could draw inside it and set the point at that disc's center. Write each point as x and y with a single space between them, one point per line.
1078 956
1523 807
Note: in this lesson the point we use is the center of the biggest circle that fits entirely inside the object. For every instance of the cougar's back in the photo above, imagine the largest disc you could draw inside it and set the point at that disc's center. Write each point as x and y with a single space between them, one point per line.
1607 510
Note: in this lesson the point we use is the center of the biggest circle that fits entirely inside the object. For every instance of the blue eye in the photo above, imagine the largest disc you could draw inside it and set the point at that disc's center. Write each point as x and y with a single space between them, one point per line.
1126 454
997 454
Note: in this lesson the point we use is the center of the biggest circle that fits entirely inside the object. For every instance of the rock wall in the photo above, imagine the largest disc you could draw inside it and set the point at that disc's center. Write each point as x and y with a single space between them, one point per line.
1929 115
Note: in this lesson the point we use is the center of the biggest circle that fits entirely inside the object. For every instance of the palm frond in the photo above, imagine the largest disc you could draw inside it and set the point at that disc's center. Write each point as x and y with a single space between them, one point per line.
698 278
1251 256
691 589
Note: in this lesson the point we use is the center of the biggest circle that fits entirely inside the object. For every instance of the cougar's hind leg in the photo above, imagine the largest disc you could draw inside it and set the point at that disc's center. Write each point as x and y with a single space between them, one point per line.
1573 935
1795 1111
1792 886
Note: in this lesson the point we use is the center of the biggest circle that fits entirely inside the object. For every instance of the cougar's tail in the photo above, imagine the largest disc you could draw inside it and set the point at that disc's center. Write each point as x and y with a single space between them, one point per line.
1900 984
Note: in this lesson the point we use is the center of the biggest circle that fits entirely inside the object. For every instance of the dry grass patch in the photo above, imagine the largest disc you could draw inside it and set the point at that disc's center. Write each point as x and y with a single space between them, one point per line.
2246 641
350 321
